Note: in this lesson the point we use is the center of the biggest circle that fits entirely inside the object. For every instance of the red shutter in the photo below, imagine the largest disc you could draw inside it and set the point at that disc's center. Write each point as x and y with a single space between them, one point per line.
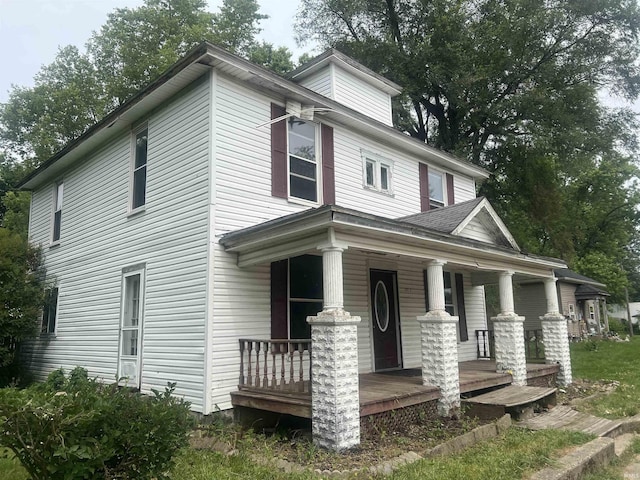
462 314
278 153
450 198
328 170
424 187
279 284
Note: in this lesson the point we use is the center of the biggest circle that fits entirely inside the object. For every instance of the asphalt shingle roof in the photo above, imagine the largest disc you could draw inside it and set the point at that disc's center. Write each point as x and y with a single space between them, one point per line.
444 219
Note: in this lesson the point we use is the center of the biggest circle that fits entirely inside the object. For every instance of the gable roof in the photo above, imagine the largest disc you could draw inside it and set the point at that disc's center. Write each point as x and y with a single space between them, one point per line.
334 56
267 241
455 218
195 64
587 291
569 276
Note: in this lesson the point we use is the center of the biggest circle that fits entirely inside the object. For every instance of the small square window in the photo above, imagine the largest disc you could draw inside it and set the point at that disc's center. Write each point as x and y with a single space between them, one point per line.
50 311
377 172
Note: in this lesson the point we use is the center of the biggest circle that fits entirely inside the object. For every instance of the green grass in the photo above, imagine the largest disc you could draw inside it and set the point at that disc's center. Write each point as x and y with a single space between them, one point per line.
615 470
608 360
511 456
10 468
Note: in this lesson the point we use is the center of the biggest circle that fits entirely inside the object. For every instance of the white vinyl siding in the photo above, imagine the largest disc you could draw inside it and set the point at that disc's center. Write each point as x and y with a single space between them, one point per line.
361 96
320 82
101 240
476 230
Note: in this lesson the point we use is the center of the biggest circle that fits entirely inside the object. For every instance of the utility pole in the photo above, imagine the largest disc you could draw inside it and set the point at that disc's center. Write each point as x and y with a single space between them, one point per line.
626 296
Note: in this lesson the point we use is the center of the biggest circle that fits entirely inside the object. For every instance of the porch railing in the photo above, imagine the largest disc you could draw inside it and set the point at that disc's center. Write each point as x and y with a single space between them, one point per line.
533 345
276 366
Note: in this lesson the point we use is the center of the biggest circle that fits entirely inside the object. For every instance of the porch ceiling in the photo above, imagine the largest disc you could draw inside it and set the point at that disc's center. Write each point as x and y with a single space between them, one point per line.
305 231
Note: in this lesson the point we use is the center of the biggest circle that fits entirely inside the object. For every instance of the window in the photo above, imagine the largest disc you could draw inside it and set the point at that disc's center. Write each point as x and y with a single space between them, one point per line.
131 326
303 160
572 311
50 311
453 300
377 172
305 293
139 174
437 189
57 215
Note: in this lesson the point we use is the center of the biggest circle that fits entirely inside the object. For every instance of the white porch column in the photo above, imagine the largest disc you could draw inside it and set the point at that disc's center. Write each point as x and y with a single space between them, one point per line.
508 332
438 332
335 396
555 334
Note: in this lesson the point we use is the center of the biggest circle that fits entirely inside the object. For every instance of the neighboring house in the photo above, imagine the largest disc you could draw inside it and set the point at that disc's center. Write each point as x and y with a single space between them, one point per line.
235 231
582 301
620 311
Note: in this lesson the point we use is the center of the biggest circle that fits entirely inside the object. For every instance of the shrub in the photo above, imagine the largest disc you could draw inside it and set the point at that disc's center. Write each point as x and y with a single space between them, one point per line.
75 428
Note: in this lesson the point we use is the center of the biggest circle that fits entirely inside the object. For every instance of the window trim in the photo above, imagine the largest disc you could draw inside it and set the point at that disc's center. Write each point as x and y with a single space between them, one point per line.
48 332
379 162
132 168
318 164
136 270
433 202
58 186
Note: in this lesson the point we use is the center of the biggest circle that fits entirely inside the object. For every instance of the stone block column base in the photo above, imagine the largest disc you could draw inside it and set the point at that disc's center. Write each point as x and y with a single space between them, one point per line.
555 335
335 395
439 341
508 332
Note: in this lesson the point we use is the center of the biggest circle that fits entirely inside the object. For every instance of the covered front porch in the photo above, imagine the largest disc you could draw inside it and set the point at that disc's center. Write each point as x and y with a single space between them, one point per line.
420 293
276 377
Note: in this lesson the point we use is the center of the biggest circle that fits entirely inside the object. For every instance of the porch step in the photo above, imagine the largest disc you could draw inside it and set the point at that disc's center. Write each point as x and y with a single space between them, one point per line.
566 418
519 401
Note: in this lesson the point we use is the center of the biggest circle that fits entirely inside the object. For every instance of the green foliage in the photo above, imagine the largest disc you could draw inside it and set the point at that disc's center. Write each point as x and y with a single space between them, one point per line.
513 86
21 295
616 325
74 427
132 48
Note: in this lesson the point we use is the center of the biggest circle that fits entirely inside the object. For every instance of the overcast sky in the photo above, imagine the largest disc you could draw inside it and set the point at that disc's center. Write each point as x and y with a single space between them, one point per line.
32 30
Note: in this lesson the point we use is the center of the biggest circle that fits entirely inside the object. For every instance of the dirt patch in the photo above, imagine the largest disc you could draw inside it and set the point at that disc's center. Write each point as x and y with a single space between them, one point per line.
582 390
296 446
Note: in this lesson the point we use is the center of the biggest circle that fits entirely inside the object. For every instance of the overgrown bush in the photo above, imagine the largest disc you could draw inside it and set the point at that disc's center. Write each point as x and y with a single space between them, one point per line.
76 428
616 325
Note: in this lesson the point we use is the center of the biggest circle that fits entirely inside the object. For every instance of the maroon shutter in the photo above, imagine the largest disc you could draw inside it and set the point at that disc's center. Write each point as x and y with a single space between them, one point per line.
278 153
328 170
450 198
462 314
279 284
424 187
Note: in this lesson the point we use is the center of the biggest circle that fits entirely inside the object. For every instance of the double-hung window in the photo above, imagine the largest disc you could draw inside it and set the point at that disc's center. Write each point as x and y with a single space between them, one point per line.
303 159
377 172
50 311
57 214
139 168
305 293
437 189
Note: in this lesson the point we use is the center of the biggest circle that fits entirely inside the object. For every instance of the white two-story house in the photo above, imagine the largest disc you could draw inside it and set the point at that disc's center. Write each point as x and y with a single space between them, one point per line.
274 243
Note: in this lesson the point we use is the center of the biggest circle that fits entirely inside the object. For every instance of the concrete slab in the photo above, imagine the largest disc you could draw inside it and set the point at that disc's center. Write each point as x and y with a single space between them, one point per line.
595 454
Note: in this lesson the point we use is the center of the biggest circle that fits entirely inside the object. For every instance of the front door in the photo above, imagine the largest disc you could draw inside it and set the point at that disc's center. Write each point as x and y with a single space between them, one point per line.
384 316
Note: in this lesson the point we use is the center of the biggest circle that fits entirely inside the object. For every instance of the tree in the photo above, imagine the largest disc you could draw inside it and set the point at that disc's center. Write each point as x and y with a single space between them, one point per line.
130 50
21 295
512 85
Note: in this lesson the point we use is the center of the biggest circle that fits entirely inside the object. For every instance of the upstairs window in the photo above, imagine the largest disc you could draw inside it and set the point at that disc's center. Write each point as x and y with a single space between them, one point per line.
50 311
139 169
57 215
437 189
303 159
377 172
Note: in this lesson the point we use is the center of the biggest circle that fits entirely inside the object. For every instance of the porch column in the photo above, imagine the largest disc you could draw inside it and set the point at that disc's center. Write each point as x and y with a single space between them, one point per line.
438 333
335 397
508 332
555 334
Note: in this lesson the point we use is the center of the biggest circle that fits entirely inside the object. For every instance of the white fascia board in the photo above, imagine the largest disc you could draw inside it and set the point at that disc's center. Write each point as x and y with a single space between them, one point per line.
484 204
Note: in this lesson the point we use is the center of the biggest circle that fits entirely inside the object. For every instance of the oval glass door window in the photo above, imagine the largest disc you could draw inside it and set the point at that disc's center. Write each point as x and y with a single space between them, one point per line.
382 306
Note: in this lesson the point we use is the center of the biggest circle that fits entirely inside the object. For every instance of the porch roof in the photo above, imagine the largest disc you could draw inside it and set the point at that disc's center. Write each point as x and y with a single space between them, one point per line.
305 231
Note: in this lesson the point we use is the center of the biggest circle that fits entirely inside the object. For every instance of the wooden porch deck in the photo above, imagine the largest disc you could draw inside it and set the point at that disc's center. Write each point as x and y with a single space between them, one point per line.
384 391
